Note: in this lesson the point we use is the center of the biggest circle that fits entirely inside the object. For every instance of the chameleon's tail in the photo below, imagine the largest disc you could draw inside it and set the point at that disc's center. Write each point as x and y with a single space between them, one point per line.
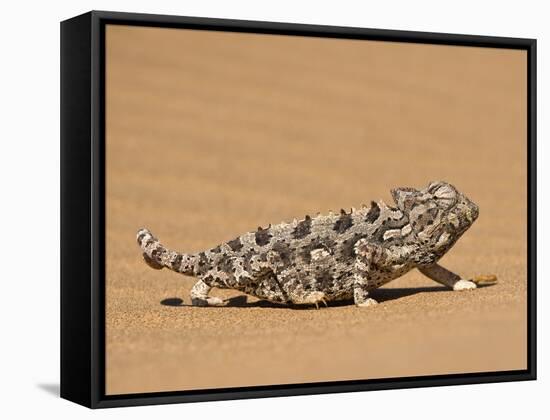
158 257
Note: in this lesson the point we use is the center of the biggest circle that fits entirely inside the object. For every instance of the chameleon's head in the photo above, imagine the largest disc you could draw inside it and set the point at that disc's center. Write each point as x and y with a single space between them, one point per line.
439 214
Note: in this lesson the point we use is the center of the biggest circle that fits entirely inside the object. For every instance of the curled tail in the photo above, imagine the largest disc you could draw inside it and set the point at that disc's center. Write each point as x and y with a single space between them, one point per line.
158 257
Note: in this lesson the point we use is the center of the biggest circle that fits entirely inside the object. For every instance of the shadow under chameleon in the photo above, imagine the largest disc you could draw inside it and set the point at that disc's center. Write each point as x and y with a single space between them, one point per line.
381 295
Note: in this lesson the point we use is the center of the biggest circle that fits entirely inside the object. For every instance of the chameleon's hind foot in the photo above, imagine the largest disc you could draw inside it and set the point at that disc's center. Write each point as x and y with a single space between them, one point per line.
199 296
151 263
209 301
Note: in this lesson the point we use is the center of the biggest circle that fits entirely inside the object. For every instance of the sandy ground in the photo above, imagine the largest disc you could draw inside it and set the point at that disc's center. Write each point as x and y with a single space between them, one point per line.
210 135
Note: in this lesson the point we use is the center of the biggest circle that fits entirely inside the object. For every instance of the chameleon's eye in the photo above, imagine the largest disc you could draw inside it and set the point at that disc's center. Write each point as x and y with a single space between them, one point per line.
433 186
445 195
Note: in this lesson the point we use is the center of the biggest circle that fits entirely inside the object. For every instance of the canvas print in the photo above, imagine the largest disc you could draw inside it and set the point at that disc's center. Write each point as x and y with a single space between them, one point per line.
310 209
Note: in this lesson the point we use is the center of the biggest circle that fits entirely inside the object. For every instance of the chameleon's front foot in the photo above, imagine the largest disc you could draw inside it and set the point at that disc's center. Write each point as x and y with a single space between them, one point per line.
368 302
446 277
309 298
464 285
361 298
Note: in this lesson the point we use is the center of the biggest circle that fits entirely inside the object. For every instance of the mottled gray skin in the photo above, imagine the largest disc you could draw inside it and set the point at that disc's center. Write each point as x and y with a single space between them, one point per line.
332 257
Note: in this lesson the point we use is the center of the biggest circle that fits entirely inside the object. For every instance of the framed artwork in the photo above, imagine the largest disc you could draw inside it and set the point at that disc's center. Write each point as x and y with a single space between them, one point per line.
180 136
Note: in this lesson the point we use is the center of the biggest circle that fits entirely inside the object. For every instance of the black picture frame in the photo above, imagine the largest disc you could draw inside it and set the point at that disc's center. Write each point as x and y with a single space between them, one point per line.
83 210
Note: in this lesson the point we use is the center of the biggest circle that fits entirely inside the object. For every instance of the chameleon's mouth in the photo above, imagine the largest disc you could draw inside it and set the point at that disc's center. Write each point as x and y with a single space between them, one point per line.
475 211
471 211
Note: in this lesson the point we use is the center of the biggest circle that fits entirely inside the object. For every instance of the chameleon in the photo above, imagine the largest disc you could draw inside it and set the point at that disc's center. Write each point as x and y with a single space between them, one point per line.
330 257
